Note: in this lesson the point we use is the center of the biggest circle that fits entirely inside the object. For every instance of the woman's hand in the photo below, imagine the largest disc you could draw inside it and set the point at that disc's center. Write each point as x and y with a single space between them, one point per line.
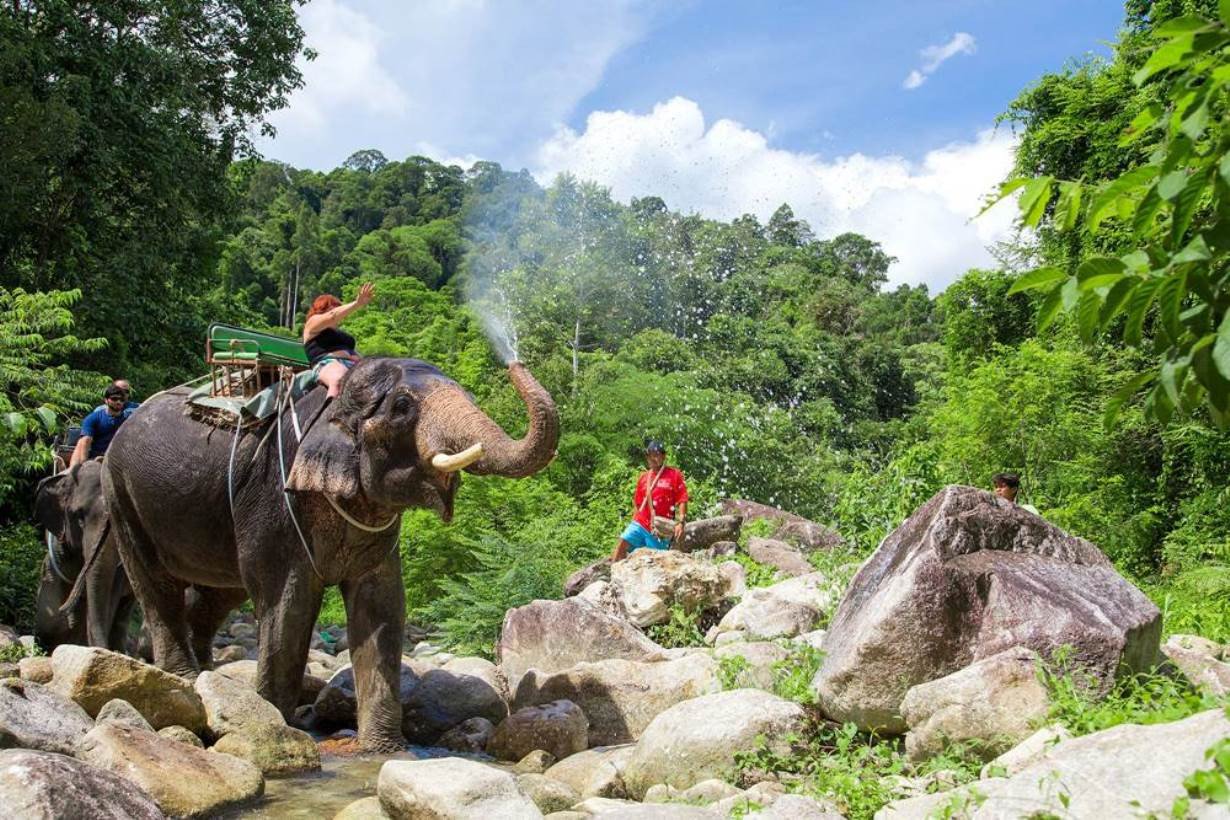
366 292
678 532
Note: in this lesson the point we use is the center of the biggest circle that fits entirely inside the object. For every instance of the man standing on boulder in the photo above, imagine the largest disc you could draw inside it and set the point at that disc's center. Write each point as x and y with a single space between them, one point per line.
660 504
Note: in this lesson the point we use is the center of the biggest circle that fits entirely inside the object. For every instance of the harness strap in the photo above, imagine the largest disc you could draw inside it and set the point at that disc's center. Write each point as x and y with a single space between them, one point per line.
51 557
359 524
286 496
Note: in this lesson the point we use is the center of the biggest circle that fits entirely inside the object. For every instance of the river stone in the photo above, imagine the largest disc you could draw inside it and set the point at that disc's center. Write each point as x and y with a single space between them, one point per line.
123 713
761 656
548 795
181 735
276 749
660 811
652 581
988 706
761 615
244 671
558 727
757 796
37 669
791 527
368 808
779 555
703 793
92 676
698 739
231 705
229 654
598 772
183 780
736 578
797 807
1199 660
336 703
551 636
36 717
8 637
470 736
451 787
964 578
1125 771
536 762
621 697
580 580
46 786
1026 752
463 688
9 670
705 532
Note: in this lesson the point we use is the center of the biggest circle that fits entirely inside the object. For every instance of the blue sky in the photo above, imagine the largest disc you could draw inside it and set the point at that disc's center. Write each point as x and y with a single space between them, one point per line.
872 116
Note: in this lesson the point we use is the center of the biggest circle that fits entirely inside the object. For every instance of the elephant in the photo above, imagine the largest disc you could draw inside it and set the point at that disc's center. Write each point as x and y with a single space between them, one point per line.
262 514
90 607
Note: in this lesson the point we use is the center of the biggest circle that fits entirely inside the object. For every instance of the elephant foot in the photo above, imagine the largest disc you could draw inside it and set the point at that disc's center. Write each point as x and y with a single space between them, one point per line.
380 743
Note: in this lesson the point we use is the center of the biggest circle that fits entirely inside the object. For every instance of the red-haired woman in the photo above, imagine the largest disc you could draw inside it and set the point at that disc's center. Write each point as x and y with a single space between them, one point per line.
332 351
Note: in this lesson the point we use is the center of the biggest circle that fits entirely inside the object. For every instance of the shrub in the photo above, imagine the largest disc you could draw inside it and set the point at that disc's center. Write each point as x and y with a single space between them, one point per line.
21 561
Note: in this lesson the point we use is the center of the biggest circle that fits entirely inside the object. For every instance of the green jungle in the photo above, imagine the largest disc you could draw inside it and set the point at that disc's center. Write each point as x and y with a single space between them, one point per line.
777 366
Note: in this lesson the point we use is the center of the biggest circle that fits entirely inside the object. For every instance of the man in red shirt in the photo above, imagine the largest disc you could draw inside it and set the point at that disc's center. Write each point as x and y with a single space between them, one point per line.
660 491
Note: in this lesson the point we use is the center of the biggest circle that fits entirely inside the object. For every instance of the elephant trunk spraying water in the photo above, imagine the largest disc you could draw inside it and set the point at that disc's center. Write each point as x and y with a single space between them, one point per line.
195 510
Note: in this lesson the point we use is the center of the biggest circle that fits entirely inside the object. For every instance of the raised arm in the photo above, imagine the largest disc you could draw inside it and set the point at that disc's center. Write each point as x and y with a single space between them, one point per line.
331 318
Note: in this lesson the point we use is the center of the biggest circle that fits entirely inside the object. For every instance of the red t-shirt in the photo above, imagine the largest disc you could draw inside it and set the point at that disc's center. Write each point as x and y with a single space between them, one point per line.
669 492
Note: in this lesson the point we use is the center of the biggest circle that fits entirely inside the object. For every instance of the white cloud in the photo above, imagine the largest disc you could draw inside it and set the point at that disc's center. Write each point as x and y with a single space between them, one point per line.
920 212
935 56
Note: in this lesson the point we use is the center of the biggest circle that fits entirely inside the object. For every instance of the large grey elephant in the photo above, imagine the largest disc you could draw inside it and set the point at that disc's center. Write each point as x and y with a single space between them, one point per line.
69 506
195 510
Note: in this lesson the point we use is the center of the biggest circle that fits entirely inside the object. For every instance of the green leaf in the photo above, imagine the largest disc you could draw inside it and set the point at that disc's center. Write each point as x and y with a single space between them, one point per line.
1069 293
1126 185
1145 219
48 417
1087 312
1141 124
1221 348
1170 297
1166 56
1137 307
1116 298
1223 11
16 423
1185 208
1068 206
1217 385
1036 279
1005 189
1034 200
1099 271
1114 405
1159 406
1050 307
1181 25
1171 376
1196 251
1171 185
1194 123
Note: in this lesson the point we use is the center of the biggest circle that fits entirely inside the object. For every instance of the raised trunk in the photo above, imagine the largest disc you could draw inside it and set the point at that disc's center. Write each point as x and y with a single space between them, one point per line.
450 423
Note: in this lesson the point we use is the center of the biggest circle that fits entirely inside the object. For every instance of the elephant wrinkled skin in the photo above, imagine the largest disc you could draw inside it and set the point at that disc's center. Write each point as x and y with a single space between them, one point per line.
369 452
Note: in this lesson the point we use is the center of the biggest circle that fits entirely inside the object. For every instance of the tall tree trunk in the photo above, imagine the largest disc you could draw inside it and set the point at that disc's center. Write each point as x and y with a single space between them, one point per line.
576 348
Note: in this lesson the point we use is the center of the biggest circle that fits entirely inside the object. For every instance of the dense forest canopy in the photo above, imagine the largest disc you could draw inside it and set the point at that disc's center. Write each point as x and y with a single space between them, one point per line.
777 365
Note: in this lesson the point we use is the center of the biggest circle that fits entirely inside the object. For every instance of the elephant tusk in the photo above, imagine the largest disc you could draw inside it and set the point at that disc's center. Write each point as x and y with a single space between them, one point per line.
457 461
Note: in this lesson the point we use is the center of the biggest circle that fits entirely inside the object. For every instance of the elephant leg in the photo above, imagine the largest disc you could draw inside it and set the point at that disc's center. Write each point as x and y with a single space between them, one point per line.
161 595
207 609
100 597
50 627
285 613
376 620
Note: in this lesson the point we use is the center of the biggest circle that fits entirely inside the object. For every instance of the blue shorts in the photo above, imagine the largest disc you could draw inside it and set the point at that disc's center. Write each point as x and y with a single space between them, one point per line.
326 360
637 537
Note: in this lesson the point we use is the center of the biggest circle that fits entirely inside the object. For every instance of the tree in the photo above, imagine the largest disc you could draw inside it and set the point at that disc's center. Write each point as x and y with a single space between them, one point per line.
784 229
367 161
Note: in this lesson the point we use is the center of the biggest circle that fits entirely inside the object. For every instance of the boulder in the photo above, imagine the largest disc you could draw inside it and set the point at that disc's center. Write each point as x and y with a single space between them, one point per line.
276 749
181 735
705 532
1026 752
757 796
559 728
92 676
600 570
9 670
988 706
759 659
229 654
792 528
703 793
536 762
461 689
36 717
797 807
244 671
736 578
183 780
470 736
454 788
658 811
606 596
337 702
231 705
965 577
37 669
779 555
47 786
598 772
621 697
697 740
652 581
368 808
123 713
1200 661
1126 771
554 635
761 616
548 795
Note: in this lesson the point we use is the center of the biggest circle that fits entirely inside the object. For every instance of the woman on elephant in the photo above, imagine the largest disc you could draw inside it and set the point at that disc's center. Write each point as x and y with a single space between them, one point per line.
332 351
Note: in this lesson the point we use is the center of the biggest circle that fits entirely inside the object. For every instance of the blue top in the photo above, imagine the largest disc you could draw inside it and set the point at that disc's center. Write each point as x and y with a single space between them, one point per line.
100 426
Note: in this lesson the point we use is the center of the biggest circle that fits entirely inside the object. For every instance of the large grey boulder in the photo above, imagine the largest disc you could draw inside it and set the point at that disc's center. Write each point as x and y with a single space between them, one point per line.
1125 771
35 717
1201 661
8 637
988 706
244 671
1027 752
463 688
778 554
651 582
276 749
470 736
183 780
548 795
705 532
797 807
606 596
123 712
598 772
231 705
554 635
965 577
559 728
792 528
37 669
452 788
788 608
600 570
92 676
758 661
697 740
337 702
621 697
47 786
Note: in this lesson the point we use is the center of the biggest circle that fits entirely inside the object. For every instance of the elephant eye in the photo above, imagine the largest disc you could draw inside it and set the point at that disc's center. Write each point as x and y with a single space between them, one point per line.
402 405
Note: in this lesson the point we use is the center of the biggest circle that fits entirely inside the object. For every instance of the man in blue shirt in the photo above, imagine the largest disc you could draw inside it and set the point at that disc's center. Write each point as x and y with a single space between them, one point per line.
100 425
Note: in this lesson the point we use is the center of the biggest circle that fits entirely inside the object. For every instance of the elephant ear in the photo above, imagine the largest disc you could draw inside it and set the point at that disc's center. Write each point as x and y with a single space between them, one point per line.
327 462
49 500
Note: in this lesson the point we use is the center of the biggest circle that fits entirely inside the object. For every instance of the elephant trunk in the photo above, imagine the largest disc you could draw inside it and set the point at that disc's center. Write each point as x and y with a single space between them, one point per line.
451 423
